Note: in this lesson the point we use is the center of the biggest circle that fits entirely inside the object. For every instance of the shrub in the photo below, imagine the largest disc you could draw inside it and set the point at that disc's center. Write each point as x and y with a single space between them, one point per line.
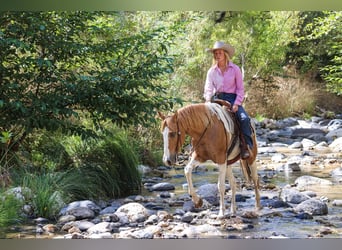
9 209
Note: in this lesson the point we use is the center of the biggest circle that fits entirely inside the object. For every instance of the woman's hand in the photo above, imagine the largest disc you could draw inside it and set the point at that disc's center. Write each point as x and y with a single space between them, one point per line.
235 108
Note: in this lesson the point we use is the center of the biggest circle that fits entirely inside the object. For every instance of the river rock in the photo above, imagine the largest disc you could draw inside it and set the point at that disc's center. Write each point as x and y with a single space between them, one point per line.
306 132
108 210
164 186
80 204
336 145
334 134
102 227
293 196
336 172
337 203
66 218
307 180
207 190
194 231
312 206
134 211
81 213
334 124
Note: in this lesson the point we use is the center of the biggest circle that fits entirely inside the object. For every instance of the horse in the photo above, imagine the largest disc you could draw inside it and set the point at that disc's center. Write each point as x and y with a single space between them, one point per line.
213 137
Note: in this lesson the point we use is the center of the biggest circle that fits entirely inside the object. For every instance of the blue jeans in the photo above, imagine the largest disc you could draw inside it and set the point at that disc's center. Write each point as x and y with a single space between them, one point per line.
242 116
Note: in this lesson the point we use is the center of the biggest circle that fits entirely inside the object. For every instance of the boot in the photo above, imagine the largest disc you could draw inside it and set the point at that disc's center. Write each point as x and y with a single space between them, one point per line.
244 153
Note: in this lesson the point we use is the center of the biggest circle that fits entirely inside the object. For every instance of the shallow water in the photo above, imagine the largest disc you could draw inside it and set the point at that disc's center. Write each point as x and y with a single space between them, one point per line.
264 226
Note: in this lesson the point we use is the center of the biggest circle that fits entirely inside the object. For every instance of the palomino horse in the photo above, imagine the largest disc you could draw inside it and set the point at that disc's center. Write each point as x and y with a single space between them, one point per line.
212 134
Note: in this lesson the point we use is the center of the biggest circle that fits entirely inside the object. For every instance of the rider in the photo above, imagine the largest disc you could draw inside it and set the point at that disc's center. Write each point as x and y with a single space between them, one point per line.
224 81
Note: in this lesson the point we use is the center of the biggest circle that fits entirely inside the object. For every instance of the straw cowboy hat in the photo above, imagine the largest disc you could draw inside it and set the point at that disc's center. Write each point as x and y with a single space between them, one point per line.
225 46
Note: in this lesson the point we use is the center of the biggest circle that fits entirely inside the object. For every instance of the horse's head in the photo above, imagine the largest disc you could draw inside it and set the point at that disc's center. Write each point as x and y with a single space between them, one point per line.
172 138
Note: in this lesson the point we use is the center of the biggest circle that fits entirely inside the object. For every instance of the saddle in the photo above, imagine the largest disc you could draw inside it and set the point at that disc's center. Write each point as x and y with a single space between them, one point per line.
237 132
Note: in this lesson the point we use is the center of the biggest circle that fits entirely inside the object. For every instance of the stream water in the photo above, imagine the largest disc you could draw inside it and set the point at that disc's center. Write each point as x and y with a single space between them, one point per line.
264 226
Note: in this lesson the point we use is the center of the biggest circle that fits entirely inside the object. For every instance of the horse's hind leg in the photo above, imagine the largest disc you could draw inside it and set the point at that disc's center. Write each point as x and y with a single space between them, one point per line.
255 179
191 190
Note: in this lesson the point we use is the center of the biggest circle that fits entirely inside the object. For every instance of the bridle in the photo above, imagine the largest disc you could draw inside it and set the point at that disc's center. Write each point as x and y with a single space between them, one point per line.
178 133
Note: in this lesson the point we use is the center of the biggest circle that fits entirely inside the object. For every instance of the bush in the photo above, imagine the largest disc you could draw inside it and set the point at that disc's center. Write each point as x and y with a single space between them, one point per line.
281 97
47 194
9 209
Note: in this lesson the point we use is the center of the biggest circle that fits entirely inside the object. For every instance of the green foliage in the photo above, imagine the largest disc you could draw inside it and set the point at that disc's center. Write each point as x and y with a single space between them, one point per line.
110 164
47 198
57 65
318 47
9 209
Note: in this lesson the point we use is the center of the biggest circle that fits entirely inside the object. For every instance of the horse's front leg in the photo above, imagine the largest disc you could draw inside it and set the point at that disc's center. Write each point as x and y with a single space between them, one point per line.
221 187
191 190
232 184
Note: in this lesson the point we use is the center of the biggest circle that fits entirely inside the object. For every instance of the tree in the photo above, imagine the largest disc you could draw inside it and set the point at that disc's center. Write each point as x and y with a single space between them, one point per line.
318 47
59 66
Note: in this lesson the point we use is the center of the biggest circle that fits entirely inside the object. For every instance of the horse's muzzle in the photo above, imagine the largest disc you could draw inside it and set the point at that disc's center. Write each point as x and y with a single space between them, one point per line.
171 160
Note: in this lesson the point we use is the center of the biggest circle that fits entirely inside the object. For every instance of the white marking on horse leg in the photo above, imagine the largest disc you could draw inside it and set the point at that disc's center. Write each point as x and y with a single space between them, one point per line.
255 178
166 153
221 187
188 174
232 185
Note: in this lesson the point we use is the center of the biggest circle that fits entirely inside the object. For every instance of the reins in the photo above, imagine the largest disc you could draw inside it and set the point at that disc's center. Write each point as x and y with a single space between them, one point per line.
198 142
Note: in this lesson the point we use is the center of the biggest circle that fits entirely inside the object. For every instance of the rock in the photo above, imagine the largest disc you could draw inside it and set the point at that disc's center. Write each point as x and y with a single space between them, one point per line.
296 145
135 212
81 213
313 207
105 235
164 186
307 180
201 231
306 132
108 210
334 134
50 228
308 144
77 204
278 157
336 172
66 218
304 216
337 203
293 196
187 218
101 227
336 145
274 203
334 124
207 190
144 169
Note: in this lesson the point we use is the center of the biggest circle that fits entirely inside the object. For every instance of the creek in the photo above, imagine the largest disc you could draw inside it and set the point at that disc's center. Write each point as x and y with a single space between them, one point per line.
267 226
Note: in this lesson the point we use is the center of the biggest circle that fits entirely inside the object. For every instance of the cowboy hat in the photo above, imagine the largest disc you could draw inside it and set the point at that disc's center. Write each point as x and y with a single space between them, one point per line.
225 46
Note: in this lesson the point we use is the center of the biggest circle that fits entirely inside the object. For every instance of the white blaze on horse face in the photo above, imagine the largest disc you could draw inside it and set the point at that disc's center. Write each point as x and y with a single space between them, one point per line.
166 154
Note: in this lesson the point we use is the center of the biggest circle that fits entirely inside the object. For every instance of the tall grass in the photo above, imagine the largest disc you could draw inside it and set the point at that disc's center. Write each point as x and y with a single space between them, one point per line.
47 195
282 97
101 168
9 209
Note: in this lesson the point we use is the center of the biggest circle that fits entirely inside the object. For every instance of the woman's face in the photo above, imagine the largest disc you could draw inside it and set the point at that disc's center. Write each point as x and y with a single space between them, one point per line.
219 55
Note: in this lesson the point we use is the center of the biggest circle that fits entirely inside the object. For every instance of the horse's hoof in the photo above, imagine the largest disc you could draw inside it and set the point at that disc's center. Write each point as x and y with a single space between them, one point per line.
199 203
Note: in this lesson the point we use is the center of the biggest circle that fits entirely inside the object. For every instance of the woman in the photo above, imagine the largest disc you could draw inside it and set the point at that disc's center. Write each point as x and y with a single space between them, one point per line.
224 81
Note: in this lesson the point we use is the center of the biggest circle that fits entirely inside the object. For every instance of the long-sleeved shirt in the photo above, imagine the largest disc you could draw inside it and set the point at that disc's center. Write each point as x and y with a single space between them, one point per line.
228 82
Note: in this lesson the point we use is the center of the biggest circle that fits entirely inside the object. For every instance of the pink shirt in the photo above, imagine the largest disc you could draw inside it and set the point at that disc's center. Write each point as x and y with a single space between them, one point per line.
229 82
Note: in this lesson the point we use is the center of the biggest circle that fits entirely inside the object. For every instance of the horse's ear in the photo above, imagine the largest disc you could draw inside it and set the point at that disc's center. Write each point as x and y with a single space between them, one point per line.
161 116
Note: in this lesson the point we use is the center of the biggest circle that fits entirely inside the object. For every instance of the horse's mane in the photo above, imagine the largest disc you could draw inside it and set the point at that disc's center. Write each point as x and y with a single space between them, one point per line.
200 115
195 115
